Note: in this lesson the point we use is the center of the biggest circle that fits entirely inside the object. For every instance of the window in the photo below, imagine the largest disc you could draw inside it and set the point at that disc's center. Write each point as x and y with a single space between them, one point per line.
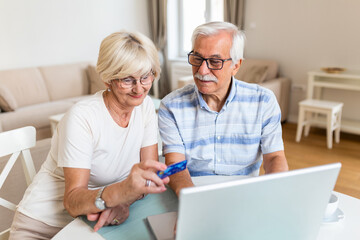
184 16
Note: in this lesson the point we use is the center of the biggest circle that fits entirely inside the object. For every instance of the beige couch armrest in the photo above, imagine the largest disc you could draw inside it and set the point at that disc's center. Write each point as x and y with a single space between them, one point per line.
282 94
183 81
1 128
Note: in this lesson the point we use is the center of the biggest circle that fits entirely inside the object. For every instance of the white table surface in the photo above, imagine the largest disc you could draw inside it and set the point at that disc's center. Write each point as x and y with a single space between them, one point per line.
347 228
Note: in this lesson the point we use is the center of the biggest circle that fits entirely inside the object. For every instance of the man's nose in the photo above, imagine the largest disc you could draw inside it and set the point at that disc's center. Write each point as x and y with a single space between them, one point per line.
203 69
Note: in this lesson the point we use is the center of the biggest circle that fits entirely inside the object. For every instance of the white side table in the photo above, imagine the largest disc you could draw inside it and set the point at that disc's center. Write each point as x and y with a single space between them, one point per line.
54 120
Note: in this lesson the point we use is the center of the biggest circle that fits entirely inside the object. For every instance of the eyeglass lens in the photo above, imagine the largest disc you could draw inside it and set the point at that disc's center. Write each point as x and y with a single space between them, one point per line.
212 63
131 81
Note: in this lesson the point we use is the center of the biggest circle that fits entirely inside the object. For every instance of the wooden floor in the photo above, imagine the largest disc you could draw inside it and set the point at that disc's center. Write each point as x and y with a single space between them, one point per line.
312 151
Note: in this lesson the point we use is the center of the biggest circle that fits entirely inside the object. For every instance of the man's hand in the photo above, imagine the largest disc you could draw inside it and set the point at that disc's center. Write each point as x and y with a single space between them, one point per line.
110 216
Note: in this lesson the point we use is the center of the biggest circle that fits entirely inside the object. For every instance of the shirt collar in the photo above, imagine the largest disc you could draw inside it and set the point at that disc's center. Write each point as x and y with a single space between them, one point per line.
202 102
232 92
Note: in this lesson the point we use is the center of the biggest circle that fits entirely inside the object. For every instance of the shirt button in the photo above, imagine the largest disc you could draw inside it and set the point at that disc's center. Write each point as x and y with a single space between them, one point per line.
218 160
218 137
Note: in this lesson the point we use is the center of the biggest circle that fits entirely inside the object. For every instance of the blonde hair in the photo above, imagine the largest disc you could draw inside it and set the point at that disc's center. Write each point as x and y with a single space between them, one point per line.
124 54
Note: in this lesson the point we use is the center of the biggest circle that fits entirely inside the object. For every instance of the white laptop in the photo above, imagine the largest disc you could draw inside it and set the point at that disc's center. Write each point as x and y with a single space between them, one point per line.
288 205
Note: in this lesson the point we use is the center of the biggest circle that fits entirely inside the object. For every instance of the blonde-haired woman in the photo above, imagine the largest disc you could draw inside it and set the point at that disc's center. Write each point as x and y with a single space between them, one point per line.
103 155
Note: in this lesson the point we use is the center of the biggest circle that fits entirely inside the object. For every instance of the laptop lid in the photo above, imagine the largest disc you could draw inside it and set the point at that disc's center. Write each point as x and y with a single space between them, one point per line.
287 205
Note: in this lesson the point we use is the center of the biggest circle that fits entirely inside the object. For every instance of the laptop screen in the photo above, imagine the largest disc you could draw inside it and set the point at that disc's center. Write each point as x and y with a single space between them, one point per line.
288 205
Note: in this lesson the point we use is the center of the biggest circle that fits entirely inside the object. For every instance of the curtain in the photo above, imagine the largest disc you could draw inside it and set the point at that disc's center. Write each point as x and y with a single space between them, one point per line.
234 12
158 15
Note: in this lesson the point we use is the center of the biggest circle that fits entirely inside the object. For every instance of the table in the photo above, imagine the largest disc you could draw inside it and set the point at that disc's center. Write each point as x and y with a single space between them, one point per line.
348 80
54 120
136 227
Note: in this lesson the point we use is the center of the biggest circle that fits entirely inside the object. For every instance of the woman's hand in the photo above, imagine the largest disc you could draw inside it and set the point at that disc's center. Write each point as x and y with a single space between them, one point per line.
111 216
135 184
134 187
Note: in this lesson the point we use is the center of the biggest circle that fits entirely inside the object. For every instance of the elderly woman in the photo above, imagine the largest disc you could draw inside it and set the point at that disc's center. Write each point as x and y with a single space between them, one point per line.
103 155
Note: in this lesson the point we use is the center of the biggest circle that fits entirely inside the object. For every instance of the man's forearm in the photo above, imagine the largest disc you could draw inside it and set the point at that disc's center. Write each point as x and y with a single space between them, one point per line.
275 162
181 179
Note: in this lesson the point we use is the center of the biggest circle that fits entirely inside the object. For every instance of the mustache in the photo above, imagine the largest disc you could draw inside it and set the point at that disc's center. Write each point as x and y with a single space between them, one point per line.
207 77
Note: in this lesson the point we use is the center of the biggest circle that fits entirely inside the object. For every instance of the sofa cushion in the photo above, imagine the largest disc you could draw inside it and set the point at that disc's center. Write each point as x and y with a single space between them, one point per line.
255 74
7 100
66 81
96 84
248 64
21 87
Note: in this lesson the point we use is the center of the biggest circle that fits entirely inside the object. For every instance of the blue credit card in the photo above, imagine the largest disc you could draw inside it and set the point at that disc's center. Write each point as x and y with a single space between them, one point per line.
172 169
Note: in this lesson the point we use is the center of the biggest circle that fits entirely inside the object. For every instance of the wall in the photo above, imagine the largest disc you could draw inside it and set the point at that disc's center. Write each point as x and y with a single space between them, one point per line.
306 35
46 32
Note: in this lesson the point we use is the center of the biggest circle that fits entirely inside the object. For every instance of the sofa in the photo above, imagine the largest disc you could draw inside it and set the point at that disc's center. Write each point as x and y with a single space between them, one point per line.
29 96
264 73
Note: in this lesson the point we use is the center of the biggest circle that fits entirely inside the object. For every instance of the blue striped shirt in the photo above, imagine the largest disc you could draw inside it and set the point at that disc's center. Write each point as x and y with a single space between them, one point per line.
229 142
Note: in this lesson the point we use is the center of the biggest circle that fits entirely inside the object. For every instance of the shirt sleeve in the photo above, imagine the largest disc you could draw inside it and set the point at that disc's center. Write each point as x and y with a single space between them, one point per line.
271 133
75 146
150 123
169 132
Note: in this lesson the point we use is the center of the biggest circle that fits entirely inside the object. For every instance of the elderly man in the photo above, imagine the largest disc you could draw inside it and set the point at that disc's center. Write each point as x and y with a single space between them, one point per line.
221 125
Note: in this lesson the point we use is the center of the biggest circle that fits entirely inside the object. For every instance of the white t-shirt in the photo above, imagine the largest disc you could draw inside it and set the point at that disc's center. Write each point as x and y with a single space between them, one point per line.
87 137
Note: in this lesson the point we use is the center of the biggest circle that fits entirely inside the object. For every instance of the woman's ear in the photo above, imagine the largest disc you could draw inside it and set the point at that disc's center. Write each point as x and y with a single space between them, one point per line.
107 85
236 67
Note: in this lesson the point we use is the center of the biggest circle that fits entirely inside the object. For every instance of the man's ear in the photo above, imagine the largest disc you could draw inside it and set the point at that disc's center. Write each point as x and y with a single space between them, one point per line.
236 67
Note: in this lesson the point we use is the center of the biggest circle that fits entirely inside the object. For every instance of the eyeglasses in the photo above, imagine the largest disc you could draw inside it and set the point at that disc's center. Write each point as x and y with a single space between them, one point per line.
211 63
130 82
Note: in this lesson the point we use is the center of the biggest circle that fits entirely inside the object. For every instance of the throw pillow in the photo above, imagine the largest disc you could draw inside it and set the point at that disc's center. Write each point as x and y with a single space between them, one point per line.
7 101
255 74
95 82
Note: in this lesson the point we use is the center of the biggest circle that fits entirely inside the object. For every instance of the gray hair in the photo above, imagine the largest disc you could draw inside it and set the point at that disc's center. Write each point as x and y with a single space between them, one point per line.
213 28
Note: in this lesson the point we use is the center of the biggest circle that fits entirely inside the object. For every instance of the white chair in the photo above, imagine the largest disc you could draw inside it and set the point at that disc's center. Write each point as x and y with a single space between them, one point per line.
17 144
309 111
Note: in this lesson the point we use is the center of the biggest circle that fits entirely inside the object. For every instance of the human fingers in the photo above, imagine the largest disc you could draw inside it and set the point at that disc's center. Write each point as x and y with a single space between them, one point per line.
103 219
118 215
152 164
152 179
122 213
92 216
139 175
149 183
166 180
